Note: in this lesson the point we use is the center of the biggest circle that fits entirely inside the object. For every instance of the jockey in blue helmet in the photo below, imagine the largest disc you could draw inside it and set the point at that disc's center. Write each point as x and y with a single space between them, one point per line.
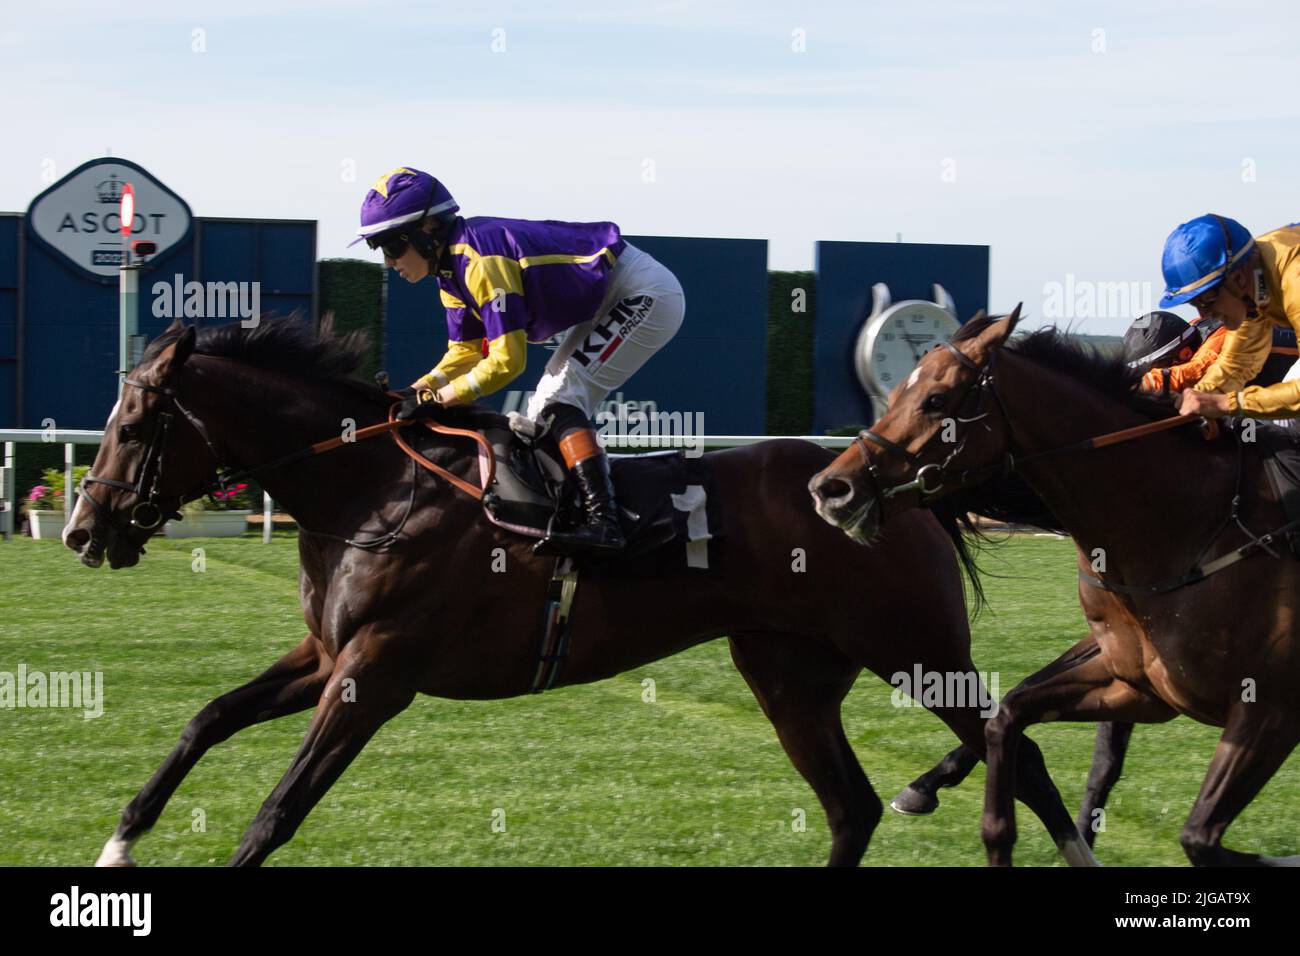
507 282
1250 284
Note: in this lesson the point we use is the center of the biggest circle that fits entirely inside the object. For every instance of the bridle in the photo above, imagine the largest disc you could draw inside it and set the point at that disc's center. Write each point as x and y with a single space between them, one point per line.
153 508
933 478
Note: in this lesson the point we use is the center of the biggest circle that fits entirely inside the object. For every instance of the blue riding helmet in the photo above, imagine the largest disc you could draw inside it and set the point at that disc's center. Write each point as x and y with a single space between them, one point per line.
1199 253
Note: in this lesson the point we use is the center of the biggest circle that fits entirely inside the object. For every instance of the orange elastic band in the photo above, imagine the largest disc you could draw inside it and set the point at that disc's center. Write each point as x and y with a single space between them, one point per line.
579 446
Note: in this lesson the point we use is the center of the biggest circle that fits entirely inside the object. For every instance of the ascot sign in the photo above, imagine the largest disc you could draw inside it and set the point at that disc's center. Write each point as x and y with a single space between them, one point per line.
79 218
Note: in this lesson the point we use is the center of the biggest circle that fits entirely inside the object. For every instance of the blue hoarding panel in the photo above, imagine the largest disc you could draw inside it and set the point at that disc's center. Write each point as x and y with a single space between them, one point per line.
71 348
415 328
715 365
10 227
229 250
846 271
286 258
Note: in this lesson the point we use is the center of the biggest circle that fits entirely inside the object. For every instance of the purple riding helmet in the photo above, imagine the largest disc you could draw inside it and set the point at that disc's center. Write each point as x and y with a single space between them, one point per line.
398 198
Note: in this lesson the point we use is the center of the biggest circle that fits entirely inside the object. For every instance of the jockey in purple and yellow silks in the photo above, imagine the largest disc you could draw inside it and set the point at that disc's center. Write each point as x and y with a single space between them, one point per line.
507 282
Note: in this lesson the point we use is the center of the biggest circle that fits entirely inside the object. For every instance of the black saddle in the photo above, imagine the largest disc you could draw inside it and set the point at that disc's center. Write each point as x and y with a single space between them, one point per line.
662 497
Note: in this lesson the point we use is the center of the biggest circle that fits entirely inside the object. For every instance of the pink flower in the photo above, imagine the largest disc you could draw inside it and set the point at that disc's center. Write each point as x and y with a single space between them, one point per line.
37 493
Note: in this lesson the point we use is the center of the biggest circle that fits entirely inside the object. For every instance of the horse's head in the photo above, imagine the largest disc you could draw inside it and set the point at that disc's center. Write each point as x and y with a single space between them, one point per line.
152 457
942 420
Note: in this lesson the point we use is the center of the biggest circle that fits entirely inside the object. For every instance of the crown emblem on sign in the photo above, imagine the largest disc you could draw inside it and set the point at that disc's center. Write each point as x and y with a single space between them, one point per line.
110 190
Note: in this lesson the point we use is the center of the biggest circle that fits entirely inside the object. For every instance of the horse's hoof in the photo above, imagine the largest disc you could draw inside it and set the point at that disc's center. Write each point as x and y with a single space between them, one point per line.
116 853
914 803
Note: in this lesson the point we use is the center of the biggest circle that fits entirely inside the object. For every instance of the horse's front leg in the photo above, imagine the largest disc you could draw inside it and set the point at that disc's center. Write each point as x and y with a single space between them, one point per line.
369 685
290 685
1107 764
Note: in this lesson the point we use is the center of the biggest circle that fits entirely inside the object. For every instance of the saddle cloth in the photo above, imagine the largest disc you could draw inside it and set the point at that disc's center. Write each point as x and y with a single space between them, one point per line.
666 499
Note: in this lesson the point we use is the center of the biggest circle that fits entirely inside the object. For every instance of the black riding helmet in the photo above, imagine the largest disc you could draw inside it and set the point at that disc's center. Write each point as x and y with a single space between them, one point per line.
1159 340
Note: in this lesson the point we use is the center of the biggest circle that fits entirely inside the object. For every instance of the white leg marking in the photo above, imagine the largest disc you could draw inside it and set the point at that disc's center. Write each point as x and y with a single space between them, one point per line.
116 853
76 511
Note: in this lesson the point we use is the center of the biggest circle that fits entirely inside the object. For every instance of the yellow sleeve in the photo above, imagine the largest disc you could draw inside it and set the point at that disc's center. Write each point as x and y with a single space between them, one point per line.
1244 353
1276 401
460 357
506 358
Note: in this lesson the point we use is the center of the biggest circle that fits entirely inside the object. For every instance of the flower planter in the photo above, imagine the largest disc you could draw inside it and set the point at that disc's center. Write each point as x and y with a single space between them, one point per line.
47 525
209 524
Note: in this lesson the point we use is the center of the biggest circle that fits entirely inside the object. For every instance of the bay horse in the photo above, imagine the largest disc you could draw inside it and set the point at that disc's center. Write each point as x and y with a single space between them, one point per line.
803 608
1180 619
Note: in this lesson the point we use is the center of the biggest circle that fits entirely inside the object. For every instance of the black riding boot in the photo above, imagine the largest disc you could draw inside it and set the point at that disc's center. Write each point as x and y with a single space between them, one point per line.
599 531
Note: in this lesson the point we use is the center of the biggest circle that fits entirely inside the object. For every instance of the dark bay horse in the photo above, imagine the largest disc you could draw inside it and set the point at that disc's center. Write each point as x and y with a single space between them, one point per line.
805 610
1172 630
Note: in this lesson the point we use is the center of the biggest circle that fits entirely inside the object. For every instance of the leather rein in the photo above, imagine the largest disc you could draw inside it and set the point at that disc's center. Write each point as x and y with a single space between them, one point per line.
153 507
934 478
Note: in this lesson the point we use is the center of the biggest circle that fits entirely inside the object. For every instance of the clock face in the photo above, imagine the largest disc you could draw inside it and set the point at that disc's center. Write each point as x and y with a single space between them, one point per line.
892 343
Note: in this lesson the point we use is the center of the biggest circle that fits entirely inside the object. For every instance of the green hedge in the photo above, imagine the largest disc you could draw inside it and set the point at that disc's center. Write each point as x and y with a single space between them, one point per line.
791 310
354 291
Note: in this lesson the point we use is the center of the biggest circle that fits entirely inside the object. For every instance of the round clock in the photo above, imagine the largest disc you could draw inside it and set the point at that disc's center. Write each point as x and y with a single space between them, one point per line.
895 336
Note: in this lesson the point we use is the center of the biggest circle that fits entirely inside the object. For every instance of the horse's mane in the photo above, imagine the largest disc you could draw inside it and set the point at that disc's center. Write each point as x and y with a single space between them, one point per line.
1010 499
296 346
1058 350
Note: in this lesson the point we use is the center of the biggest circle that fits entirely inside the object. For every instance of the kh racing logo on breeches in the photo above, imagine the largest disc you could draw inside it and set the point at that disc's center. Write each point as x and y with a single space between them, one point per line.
608 334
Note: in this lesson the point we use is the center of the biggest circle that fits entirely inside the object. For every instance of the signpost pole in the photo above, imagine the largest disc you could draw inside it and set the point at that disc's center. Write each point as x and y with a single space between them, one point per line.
128 289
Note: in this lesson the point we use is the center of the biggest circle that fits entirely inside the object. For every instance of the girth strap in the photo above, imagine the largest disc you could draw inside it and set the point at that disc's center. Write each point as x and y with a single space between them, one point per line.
1200 571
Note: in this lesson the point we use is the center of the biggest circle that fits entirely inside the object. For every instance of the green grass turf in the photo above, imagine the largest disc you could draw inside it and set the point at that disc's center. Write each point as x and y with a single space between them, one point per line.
584 775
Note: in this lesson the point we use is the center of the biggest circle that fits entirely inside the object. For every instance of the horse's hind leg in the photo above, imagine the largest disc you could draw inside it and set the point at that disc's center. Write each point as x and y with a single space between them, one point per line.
800 685
1107 764
921 795
1254 744
292 684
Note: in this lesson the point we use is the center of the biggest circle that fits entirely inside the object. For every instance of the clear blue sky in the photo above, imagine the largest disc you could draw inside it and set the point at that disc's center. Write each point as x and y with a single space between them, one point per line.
1068 150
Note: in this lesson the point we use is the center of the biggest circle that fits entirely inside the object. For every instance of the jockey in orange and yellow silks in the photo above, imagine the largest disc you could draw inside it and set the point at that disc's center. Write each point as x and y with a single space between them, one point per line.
1252 285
